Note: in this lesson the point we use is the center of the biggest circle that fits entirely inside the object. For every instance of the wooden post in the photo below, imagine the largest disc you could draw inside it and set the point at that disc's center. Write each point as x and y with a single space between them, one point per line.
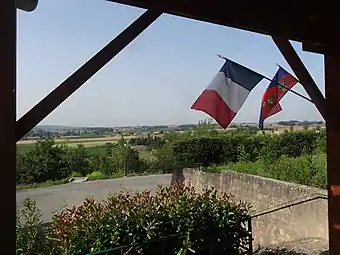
332 68
7 124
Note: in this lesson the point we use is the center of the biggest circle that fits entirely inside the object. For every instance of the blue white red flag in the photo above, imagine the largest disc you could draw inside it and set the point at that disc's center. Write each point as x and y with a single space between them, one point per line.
227 92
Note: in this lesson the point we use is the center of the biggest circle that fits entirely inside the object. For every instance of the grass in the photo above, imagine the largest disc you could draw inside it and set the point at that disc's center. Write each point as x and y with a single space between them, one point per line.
70 142
91 145
83 136
81 139
101 150
97 147
306 170
145 154
87 141
42 185
100 176
24 148
91 177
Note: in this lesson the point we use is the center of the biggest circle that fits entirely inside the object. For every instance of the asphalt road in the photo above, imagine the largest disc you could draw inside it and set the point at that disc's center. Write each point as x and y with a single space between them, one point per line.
52 199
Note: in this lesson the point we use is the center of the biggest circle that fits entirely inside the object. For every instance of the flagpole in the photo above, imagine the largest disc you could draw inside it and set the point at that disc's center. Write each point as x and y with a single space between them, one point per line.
290 90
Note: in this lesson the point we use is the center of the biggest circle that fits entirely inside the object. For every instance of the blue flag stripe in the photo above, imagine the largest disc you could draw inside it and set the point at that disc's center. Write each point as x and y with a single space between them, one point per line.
241 75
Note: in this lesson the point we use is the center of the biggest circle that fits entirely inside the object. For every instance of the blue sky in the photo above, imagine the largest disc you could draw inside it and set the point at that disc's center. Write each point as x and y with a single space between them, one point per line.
155 79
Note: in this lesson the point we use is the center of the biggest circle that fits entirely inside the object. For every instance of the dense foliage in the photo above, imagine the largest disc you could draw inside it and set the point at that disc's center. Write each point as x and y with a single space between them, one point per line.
291 156
307 169
224 149
150 141
48 161
29 229
196 220
242 149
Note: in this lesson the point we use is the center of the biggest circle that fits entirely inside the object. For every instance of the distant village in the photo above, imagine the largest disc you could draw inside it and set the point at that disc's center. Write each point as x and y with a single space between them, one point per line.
44 131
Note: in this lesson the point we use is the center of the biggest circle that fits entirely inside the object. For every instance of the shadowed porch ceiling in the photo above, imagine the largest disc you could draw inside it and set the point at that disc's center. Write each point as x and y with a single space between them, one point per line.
304 21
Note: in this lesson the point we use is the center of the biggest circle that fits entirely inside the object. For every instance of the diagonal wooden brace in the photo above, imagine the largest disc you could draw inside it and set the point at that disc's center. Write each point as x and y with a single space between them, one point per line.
84 73
301 73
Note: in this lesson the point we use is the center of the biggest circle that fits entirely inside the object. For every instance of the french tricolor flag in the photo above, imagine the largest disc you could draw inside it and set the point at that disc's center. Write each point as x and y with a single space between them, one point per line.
227 92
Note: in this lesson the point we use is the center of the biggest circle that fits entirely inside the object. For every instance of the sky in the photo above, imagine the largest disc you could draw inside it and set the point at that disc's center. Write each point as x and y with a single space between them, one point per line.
155 79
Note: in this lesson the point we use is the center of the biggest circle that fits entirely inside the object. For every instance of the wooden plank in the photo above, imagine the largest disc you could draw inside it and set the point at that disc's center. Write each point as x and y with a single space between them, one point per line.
314 47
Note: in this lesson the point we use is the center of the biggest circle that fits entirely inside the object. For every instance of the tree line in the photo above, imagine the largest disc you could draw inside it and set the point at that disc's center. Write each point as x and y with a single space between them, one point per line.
203 146
49 161
150 141
227 148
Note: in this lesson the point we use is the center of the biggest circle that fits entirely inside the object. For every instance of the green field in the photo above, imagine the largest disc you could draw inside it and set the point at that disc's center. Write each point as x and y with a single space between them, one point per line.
92 145
97 149
89 136
24 148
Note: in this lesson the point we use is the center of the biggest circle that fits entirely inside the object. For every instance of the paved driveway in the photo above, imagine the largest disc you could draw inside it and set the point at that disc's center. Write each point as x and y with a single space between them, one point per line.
51 199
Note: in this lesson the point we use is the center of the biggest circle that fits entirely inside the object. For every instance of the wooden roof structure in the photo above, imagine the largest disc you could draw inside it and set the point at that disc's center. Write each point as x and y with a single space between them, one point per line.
315 25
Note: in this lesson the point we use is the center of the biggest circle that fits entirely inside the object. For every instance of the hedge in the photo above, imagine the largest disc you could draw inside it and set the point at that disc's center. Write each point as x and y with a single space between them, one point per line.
232 148
195 219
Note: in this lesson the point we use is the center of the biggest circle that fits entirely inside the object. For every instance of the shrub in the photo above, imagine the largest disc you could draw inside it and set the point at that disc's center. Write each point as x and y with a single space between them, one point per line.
151 141
46 161
79 160
28 230
76 174
199 151
125 218
162 160
321 141
96 176
307 169
234 147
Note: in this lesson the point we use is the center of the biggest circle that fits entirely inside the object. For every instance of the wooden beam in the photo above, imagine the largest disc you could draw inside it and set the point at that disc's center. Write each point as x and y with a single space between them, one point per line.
301 73
307 22
313 47
84 73
332 67
7 123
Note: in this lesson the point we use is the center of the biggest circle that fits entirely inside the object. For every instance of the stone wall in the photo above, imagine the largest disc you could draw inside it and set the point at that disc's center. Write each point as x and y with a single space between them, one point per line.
304 219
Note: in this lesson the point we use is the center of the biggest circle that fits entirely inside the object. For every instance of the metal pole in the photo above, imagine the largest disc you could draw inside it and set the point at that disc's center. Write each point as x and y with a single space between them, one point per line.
280 85
290 90
84 73
125 154
7 123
